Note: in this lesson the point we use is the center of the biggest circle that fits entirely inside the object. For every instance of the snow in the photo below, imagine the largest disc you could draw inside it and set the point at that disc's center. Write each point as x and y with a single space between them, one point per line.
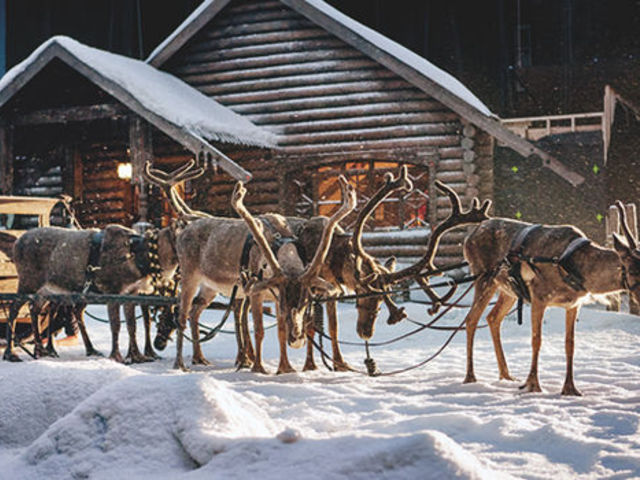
74 417
158 92
404 55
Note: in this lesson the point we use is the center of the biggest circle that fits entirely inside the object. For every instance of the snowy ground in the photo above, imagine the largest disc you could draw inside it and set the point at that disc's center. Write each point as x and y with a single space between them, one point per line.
78 418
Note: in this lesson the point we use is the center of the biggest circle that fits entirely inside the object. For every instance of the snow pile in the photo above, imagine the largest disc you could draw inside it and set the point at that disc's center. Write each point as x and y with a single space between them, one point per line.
147 424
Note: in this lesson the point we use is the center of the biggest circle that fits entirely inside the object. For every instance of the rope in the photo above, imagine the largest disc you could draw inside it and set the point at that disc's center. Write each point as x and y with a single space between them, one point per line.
370 363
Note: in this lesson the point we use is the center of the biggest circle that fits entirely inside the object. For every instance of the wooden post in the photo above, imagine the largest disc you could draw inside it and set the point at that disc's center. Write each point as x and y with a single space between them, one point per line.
6 159
613 226
632 219
141 147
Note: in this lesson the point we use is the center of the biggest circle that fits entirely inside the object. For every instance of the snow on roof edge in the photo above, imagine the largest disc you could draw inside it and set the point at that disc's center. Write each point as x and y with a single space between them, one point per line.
176 101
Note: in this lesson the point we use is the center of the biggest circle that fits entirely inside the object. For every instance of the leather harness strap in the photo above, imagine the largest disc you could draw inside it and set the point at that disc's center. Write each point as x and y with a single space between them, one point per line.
516 256
95 245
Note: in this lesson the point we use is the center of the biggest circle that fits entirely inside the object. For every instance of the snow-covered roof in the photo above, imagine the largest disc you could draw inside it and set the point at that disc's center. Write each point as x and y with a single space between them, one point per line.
208 8
415 69
170 104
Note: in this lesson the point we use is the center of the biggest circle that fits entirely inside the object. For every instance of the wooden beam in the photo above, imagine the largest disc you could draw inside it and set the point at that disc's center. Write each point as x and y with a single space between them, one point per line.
69 114
141 147
6 159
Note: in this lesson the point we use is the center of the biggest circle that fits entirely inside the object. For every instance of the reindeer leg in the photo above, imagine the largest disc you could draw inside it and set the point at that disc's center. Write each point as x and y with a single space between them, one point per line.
494 319
570 325
243 359
54 311
258 331
339 364
246 334
133 355
34 311
309 363
484 290
537 313
11 327
148 348
78 312
186 297
113 310
202 301
284 366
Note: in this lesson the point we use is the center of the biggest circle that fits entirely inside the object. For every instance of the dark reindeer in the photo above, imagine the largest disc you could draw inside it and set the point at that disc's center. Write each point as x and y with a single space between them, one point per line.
548 266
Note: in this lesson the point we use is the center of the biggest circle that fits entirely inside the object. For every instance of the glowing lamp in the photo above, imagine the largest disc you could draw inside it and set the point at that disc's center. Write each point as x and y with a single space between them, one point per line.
124 171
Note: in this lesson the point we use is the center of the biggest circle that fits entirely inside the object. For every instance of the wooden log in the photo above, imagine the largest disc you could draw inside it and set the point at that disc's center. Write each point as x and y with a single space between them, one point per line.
382 144
259 27
261 50
141 146
294 81
220 43
374 107
612 223
270 60
451 176
377 121
85 113
323 90
395 132
202 75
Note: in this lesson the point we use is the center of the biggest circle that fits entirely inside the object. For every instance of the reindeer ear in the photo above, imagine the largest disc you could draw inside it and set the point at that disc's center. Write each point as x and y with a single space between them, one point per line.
390 264
322 285
262 285
620 245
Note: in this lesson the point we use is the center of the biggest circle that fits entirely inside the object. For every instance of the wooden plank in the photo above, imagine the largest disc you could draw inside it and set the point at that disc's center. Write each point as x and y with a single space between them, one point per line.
260 27
382 144
258 39
69 114
6 158
141 152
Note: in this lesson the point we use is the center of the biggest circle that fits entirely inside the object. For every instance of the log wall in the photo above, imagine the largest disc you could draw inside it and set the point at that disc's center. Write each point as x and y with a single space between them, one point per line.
324 98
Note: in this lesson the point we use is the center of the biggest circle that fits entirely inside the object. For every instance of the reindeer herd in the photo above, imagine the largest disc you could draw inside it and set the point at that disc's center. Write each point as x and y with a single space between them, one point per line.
290 261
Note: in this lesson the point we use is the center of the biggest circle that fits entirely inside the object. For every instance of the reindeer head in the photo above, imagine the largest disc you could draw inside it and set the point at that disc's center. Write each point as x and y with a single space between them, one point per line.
293 282
629 253
379 279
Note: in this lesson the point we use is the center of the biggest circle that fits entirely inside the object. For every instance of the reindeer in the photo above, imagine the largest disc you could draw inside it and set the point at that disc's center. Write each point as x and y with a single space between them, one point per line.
293 281
547 266
346 268
53 260
209 252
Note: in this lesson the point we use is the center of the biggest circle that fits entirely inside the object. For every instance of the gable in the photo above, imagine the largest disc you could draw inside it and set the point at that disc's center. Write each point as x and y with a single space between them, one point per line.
274 66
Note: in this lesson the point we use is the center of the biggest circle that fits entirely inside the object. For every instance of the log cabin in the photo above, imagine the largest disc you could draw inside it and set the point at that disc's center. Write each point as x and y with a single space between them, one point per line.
289 93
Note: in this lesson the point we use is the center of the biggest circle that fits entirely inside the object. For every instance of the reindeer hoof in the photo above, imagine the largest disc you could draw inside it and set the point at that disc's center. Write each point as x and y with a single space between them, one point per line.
309 367
137 358
11 357
530 386
341 367
242 363
150 353
470 378
507 377
285 369
116 357
179 365
571 390
94 353
258 368
200 361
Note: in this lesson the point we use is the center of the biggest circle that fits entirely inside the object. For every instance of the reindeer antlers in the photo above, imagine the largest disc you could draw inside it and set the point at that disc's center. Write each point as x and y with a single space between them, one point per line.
391 184
625 225
237 202
457 218
168 182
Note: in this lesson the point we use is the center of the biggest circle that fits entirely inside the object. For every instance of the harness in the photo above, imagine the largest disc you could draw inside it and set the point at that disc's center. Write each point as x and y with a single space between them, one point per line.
515 257
277 242
95 245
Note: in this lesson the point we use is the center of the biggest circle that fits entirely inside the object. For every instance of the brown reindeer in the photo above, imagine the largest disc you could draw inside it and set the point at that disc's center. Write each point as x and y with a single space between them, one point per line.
547 266
53 260
293 281
210 250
